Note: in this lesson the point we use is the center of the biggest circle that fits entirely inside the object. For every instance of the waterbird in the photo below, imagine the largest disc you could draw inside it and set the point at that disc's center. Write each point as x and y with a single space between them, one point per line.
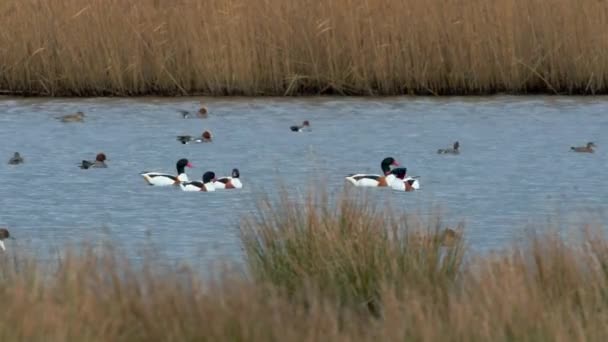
165 179
453 150
100 162
16 159
232 182
77 117
4 234
206 136
202 113
585 149
207 185
304 127
373 180
402 182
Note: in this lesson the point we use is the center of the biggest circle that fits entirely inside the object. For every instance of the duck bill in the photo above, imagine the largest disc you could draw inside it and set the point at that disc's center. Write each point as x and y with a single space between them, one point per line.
189 165
395 163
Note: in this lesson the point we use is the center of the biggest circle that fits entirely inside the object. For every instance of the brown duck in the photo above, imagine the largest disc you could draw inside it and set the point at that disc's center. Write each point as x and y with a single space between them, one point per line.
453 150
77 117
584 149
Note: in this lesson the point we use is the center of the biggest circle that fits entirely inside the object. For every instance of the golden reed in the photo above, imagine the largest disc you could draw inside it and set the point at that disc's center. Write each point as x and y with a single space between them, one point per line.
317 270
289 47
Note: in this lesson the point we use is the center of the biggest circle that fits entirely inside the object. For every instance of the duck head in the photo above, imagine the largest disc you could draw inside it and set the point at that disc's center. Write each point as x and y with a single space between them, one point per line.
235 173
181 164
591 144
387 163
208 177
305 123
456 146
207 136
399 172
101 157
16 155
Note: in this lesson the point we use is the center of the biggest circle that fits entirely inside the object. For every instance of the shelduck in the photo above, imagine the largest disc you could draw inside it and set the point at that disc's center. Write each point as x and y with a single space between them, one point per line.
206 185
232 182
164 179
4 234
373 180
402 182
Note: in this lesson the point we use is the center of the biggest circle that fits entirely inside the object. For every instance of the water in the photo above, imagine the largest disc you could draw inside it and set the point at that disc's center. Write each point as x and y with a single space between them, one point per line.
515 168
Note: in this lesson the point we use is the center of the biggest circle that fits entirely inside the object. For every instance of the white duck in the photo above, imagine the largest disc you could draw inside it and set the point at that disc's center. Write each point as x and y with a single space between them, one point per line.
206 185
402 182
372 180
165 179
232 182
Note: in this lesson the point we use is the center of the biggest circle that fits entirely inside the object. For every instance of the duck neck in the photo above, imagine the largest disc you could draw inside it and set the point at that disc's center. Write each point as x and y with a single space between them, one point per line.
180 169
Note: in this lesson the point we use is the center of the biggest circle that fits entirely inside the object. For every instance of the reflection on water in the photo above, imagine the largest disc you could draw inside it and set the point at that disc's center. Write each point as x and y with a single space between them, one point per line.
515 168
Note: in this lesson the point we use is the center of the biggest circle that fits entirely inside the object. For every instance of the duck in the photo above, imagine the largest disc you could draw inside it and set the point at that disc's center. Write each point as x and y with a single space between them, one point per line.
372 180
232 182
206 185
584 149
4 234
402 182
16 159
100 162
77 117
304 127
187 139
164 179
202 113
453 150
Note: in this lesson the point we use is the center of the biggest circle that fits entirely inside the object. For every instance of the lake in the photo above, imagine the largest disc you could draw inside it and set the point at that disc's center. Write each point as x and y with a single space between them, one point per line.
515 169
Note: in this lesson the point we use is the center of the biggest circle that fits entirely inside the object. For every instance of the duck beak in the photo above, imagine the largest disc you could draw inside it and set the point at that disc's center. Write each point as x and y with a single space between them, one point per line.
189 165
395 163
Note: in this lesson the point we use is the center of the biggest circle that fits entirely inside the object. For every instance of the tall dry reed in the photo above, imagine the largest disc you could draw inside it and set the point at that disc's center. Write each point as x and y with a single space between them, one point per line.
313 264
286 47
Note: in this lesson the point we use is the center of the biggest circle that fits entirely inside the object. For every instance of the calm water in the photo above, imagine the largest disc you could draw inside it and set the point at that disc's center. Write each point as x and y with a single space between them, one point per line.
515 169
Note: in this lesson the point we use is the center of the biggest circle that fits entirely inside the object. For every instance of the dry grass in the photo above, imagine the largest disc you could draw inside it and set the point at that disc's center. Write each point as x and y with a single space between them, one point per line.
286 47
314 268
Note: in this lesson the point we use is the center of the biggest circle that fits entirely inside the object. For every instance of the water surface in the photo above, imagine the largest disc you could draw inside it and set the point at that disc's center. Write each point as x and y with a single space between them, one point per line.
515 169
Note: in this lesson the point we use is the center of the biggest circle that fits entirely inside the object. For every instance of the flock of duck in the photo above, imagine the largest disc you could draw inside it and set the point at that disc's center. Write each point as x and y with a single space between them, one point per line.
393 175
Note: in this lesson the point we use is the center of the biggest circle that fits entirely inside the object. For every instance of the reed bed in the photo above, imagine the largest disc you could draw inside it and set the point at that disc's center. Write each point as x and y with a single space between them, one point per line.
317 268
288 47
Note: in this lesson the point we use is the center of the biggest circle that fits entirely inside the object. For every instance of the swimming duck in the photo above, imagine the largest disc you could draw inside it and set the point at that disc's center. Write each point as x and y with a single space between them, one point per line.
187 139
304 127
4 234
16 159
164 179
100 162
206 185
201 113
78 117
402 182
371 180
232 182
584 149
453 150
